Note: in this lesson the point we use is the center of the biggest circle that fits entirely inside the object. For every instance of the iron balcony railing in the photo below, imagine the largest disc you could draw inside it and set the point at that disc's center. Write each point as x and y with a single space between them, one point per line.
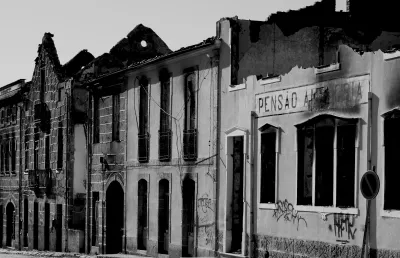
164 145
190 144
143 147
40 180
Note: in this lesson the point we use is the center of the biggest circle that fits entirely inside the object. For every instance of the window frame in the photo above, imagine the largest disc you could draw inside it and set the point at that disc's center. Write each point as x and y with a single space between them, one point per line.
324 210
383 211
116 109
265 129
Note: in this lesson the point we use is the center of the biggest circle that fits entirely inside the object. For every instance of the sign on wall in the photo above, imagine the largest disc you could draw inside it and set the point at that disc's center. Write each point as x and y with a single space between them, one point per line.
341 93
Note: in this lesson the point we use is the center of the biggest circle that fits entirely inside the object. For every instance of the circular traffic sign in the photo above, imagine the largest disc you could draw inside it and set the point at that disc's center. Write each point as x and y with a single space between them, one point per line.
370 185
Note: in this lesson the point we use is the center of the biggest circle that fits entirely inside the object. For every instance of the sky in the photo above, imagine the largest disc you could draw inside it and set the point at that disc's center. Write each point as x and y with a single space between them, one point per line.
97 25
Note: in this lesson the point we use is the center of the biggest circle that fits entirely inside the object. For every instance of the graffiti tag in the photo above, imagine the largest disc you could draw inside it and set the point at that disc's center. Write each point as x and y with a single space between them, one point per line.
286 211
342 224
205 203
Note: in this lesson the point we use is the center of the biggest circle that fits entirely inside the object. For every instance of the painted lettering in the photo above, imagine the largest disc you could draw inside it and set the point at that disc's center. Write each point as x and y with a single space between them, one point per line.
280 97
260 104
287 101
266 103
305 100
294 99
273 103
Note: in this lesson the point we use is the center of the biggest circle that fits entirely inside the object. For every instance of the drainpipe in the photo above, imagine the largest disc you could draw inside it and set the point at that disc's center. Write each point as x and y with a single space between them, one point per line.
218 142
20 174
89 171
252 172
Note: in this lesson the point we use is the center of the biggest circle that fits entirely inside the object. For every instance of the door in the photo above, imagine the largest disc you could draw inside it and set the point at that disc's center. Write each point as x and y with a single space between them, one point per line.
237 195
188 211
114 218
26 225
163 217
46 226
10 211
35 225
142 215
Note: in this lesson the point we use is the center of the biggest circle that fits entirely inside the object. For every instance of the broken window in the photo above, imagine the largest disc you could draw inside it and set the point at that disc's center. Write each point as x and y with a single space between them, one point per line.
165 127
326 155
96 120
190 126
115 117
391 142
60 145
143 137
268 166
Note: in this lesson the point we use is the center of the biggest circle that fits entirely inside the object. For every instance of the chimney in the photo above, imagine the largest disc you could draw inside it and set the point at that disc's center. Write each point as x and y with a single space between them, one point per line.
342 5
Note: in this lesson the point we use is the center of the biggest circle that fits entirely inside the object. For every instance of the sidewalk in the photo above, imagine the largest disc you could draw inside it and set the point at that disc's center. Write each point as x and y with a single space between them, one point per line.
35 253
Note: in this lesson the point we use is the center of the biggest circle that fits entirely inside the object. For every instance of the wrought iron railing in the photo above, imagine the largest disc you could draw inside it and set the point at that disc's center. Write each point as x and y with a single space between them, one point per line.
143 147
40 180
190 144
164 145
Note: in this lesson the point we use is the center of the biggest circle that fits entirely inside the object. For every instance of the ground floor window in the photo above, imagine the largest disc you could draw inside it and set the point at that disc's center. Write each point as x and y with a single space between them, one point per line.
326 162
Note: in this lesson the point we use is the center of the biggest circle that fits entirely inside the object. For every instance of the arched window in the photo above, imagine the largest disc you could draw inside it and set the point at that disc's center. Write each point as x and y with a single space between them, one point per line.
326 162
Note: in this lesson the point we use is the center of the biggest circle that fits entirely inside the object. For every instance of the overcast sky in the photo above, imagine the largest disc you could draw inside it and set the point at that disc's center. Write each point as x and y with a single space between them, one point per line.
97 25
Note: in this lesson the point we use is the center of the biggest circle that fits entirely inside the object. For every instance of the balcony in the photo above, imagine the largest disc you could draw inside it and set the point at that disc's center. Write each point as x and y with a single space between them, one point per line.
190 144
164 143
40 181
143 147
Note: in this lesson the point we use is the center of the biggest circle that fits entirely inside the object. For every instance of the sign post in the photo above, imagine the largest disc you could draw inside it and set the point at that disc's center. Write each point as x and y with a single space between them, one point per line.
369 186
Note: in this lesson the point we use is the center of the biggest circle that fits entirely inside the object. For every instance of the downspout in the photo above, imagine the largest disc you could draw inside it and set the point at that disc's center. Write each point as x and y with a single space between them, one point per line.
89 172
125 159
66 172
218 140
252 172
20 175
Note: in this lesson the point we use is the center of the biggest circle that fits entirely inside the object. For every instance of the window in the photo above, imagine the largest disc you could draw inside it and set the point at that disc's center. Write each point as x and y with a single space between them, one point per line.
42 81
13 154
7 155
60 145
391 143
326 162
143 137
8 115
2 156
2 116
14 114
47 152
27 149
190 125
36 148
269 157
165 119
96 120
115 117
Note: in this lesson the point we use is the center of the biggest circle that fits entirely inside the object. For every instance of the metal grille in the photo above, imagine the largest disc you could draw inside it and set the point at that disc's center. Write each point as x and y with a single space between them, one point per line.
164 141
143 146
190 144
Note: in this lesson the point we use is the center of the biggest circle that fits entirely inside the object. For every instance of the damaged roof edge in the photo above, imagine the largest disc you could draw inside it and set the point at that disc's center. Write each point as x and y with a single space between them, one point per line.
208 42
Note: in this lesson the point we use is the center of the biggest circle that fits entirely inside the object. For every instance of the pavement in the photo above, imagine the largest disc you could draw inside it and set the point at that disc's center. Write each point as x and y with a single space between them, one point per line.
13 253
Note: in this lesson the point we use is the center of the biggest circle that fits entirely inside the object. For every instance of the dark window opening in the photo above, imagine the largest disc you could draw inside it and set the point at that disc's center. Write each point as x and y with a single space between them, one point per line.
190 126
165 120
47 152
95 210
268 159
7 155
96 120
36 149
318 144
143 137
27 149
2 116
60 146
115 117
13 155
391 141
42 83
142 215
163 217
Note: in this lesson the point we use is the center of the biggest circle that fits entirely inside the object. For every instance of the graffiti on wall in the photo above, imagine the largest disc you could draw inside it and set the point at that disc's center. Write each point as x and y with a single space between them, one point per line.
285 210
205 203
343 225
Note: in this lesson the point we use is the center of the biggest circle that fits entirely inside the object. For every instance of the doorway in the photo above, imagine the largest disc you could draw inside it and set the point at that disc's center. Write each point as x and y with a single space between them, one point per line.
35 225
46 226
10 213
142 215
188 211
163 217
26 225
95 208
114 218
59 227
1 225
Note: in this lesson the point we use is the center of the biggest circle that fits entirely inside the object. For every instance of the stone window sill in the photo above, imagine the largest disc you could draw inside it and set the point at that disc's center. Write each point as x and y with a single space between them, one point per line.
390 213
324 211
270 80
267 206
327 68
237 87
392 55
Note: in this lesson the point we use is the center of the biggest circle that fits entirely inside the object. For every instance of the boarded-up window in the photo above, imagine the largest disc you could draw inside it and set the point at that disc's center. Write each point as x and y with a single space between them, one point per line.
268 179
96 120
115 116
319 142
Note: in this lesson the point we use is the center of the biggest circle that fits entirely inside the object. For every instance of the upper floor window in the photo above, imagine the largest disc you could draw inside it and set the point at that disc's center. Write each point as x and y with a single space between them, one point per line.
269 157
60 145
190 119
391 143
143 137
42 80
96 120
115 117
326 162
2 116
165 118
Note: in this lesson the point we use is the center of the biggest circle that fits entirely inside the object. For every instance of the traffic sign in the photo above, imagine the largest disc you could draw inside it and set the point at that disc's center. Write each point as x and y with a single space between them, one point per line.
370 185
